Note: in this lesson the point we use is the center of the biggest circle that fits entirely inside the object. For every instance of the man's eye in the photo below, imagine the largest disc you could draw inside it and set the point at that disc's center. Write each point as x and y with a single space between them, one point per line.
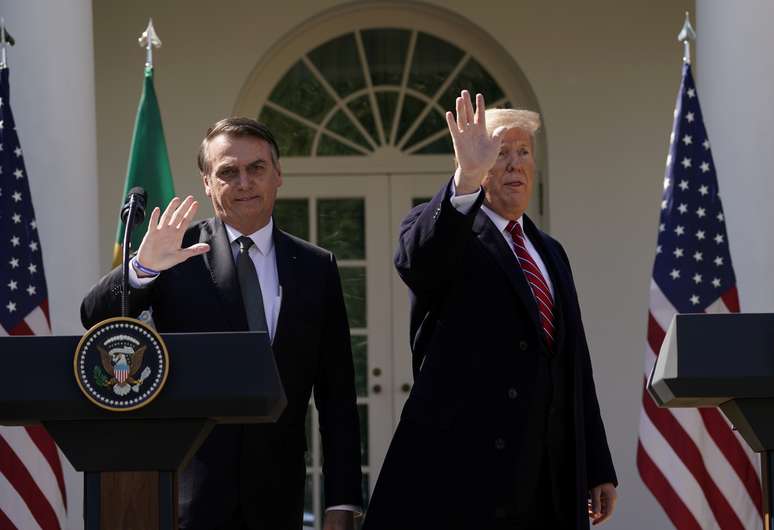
501 154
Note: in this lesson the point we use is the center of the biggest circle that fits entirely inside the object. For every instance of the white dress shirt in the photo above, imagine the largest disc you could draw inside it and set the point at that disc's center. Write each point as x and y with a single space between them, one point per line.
463 204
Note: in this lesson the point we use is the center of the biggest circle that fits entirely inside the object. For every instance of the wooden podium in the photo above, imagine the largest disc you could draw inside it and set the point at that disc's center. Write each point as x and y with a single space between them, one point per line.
130 459
724 361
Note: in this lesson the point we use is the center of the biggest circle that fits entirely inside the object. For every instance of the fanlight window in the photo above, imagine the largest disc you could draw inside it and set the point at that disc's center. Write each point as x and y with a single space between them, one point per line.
373 89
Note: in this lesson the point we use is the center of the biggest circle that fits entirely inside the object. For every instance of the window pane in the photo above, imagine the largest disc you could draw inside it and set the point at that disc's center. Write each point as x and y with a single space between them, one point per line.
361 107
432 123
341 124
360 358
433 60
341 227
300 92
475 79
293 138
339 64
363 413
327 146
411 109
292 215
386 51
387 102
353 283
439 147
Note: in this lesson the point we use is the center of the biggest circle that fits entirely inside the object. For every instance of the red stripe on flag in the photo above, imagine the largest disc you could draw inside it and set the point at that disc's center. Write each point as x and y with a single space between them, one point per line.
732 449
655 334
666 496
47 447
5 522
686 450
731 299
21 329
18 475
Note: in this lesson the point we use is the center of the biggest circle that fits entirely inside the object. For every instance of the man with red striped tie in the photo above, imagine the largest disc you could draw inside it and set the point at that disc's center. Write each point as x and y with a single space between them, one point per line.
502 429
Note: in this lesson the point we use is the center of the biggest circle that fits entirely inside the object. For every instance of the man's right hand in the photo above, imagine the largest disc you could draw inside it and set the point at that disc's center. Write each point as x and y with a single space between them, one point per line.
161 247
475 150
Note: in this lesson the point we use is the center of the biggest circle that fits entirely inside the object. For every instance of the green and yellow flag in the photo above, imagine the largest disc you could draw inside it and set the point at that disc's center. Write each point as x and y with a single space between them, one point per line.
148 164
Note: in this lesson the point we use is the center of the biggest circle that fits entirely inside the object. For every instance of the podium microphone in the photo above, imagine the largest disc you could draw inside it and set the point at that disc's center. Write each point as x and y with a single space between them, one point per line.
132 213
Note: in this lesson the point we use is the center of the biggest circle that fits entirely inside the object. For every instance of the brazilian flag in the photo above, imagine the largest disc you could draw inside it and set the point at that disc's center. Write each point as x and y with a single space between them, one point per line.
148 164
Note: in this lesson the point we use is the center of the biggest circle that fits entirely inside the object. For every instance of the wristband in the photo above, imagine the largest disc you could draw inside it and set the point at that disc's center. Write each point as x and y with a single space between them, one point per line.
139 267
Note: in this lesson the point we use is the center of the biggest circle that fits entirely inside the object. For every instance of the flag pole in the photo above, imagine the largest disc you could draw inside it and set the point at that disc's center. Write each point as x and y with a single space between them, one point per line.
687 34
149 40
5 41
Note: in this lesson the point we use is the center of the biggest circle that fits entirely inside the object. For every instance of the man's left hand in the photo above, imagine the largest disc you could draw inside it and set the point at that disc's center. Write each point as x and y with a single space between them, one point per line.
602 503
339 520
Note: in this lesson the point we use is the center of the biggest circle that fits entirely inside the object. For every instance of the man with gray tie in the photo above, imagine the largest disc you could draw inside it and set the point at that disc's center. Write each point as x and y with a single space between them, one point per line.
235 272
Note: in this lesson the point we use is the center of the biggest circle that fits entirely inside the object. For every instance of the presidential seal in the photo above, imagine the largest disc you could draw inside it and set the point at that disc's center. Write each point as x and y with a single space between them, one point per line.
121 364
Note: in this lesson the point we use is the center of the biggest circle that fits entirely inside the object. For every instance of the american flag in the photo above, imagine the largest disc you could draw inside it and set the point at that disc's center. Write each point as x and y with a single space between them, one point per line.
699 469
32 489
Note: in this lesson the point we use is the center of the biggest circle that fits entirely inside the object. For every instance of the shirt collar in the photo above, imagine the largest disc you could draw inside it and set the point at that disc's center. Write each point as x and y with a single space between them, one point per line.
262 238
499 221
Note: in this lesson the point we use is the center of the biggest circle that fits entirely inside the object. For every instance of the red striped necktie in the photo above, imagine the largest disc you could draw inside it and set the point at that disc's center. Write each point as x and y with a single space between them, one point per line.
536 281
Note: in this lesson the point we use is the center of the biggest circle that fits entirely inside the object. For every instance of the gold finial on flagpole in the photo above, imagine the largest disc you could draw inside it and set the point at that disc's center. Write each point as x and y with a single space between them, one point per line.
687 34
149 40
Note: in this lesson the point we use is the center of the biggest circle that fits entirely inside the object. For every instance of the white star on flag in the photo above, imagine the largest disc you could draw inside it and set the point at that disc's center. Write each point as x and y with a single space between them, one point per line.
682 208
698 256
12 285
11 306
16 196
17 152
31 290
691 93
16 218
719 239
679 230
32 268
675 274
686 162
701 212
15 241
703 190
678 253
687 140
720 217
700 235
33 246
14 262
695 300
689 117
706 144
697 278
716 282
704 167
683 185
718 261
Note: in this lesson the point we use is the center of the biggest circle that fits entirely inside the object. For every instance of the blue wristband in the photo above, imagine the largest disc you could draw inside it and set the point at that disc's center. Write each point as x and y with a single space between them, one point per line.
139 266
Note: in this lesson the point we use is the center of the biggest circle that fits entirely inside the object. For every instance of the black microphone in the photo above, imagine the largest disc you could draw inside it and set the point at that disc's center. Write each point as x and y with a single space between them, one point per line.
135 202
132 213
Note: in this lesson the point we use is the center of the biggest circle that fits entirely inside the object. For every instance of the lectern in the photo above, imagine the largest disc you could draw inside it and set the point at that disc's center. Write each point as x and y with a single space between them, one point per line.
213 378
724 361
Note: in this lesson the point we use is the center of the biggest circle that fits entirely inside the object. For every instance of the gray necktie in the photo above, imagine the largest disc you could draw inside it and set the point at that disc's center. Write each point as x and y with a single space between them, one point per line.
251 287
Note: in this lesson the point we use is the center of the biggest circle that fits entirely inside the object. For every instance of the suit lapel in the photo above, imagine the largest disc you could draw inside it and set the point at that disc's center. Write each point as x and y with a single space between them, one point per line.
495 244
288 277
220 262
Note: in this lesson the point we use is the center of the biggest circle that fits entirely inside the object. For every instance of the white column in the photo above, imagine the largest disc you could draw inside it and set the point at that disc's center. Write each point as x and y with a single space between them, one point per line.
52 97
735 80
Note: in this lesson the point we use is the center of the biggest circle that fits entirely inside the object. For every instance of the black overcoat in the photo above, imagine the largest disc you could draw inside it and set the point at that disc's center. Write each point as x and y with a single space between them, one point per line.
463 440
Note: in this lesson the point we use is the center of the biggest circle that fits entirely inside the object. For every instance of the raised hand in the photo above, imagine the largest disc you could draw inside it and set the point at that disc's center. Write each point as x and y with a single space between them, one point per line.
161 247
475 149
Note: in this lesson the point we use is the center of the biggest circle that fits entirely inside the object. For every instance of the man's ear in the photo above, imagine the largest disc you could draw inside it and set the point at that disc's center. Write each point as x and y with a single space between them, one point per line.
206 182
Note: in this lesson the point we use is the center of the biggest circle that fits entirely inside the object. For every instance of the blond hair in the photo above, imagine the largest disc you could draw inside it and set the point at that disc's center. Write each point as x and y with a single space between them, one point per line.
526 120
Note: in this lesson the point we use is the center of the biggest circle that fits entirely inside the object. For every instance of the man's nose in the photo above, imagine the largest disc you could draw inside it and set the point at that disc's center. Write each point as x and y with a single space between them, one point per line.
244 178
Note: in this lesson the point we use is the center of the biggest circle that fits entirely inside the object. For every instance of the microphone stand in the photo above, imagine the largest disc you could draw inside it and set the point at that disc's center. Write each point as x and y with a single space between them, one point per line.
130 221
